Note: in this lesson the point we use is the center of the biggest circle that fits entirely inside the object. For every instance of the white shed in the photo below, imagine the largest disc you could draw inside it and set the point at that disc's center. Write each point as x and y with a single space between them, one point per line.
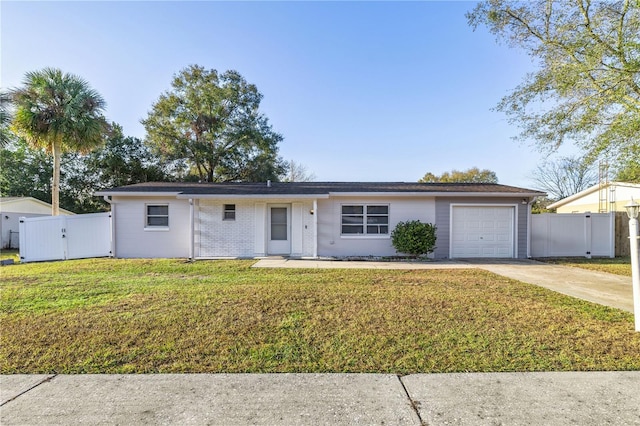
12 209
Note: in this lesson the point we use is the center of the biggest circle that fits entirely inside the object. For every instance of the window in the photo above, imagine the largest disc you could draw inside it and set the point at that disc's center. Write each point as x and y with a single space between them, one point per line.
229 212
365 220
157 216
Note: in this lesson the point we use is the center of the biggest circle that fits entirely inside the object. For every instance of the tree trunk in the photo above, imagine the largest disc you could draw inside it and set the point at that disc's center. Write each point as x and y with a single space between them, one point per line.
210 175
55 185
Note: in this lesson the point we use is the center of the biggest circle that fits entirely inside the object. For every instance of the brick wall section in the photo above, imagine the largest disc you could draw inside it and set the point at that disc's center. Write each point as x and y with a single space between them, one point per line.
226 238
235 238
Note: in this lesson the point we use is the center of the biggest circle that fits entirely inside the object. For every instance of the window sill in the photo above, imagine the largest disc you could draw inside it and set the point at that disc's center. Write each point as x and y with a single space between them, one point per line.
157 229
366 237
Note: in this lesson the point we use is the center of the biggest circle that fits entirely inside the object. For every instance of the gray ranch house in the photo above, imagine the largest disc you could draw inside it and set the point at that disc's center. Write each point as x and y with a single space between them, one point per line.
315 219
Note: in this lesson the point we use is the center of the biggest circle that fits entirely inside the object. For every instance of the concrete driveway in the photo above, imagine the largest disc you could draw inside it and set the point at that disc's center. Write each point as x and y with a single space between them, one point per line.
598 287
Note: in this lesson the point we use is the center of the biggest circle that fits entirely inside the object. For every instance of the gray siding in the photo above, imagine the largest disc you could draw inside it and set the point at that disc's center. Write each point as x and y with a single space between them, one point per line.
332 243
132 239
443 222
523 230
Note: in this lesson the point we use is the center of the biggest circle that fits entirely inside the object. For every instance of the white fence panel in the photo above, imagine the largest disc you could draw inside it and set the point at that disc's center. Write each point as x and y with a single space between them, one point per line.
41 238
88 235
65 237
603 232
571 234
566 236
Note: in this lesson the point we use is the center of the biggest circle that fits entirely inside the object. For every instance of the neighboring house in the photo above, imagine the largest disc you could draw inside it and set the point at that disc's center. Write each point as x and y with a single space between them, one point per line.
315 219
610 197
13 208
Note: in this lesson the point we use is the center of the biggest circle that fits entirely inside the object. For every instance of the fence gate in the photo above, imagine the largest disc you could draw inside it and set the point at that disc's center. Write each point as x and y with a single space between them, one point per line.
65 237
573 234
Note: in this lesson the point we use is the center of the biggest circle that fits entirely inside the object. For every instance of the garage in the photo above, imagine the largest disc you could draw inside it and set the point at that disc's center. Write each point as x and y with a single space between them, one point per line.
482 231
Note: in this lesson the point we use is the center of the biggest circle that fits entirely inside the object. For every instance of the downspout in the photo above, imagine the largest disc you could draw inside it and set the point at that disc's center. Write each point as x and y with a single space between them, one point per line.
112 205
191 229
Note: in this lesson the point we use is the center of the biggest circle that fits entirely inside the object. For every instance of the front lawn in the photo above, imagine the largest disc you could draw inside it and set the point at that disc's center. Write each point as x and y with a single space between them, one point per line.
617 265
126 316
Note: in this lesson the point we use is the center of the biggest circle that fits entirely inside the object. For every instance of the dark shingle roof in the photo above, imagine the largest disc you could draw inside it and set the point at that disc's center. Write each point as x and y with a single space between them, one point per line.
315 188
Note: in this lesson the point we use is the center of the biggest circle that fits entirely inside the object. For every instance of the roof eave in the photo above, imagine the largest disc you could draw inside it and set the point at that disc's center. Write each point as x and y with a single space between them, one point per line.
588 191
183 195
574 197
250 196
137 193
436 194
35 200
557 204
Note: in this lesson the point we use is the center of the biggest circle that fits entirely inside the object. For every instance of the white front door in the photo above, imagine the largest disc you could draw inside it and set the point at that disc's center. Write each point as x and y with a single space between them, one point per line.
279 229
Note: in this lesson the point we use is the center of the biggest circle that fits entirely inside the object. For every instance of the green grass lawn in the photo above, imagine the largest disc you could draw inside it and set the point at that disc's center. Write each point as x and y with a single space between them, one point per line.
138 316
618 265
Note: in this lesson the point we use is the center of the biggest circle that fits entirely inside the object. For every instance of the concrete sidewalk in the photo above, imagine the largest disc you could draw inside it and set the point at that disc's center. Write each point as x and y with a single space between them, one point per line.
595 398
598 287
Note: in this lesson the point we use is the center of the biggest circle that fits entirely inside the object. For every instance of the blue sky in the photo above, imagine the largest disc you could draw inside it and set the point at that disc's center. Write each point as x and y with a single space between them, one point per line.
361 91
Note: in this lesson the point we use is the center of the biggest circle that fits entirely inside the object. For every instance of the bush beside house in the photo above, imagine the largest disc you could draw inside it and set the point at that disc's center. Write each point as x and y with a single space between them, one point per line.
414 238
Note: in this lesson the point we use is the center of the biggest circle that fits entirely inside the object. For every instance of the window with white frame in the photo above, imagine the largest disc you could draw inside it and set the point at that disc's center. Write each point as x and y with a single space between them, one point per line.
229 212
364 219
157 216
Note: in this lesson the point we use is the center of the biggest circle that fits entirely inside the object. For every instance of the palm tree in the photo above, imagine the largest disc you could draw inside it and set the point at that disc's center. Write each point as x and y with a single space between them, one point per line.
58 112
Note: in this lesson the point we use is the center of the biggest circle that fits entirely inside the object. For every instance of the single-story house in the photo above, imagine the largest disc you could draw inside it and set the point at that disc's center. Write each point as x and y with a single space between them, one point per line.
315 219
13 208
605 198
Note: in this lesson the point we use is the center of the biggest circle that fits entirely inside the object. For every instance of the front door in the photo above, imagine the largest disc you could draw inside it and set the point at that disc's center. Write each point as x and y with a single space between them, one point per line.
279 234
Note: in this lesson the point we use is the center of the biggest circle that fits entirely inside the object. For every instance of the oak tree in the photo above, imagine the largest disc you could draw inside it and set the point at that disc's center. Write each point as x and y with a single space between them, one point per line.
472 175
586 88
213 122
6 136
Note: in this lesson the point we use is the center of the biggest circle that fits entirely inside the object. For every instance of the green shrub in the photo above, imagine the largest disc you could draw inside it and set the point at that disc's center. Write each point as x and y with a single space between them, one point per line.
414 237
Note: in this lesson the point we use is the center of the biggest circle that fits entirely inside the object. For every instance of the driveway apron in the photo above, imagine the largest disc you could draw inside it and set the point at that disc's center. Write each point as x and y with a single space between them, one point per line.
593 286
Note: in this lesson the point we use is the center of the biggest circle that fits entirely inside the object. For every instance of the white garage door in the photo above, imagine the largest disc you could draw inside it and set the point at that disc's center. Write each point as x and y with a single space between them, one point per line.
483 231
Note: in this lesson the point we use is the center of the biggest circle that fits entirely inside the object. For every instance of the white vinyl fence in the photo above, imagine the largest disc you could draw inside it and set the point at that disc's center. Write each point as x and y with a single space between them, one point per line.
65 237
573 234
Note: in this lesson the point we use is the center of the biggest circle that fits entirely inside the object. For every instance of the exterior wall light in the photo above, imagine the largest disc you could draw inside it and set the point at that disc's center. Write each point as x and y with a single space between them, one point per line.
633 209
